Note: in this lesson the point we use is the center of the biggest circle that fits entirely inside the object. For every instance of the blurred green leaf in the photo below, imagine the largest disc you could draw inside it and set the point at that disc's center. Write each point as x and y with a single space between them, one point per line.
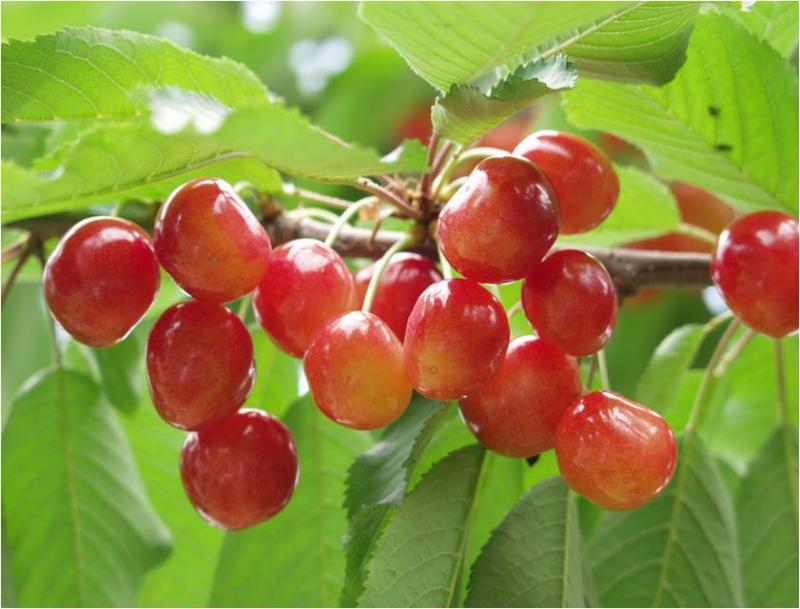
465 113
461 41
534 558
277 375
774 22
677 551
66 461
295 559
419 557
377 481
82 73
727 122
119 368
767 515
645 208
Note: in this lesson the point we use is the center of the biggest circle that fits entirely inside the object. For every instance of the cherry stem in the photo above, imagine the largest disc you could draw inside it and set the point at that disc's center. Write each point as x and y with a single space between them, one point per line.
515 308
446 193
242 313
344 218
447 270
602 366
698 233
425 180
314 212
732 353
590 373
380 267
388 196
707 383
294 191
783 402
12 277
443 175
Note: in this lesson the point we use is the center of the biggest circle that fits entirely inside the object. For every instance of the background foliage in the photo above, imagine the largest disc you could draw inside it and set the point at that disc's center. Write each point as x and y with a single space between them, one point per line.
93 511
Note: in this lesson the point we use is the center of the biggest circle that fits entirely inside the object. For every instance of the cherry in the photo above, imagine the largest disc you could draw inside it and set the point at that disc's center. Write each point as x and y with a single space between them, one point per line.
701 208
755 268
456 338
240 472
517 412
210 242
583 178
615 452
500 222
101 280
354 368
570 300
402 282
199 364
306 285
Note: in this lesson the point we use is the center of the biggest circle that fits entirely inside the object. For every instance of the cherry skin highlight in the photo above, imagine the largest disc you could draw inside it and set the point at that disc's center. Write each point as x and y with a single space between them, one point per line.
615 452
101 280
755 268
240 472
456 338
583 178
516 414
354 368
199 364
402 282
570 300
306 285
210 242
500 222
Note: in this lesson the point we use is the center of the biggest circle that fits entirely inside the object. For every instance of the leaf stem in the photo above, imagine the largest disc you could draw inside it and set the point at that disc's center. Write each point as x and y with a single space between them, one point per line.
380 267
602 366
293 191
344 218
379 191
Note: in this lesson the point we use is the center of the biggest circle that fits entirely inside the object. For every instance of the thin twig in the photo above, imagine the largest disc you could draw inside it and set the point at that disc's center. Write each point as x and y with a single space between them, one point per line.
379 191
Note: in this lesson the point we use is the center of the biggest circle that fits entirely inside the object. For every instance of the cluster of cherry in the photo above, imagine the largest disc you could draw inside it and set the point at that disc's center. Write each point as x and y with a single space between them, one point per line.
448 339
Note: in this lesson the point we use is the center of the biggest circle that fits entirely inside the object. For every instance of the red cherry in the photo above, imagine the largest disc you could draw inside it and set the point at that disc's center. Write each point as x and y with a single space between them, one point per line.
584 180
101 280
501 222
755 268
240 472
354 368
402 282
456 338
210 242
306 285
615 452
199 364
517 412
570 300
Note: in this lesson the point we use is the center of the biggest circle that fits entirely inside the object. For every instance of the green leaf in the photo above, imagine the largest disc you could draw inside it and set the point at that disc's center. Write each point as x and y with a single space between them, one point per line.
295 559
534 558
419 558
277 376
677 551
461 41
727 122
645 208
377 481
90 73
767 515
464 114
118 368
66 461
774 22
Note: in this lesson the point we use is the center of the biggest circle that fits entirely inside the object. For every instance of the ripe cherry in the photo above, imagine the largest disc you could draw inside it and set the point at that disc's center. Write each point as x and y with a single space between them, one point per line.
570 300
306 285
584 180
210 242
501 222
456 338
240 472
101 280
402 282
517 412
199 364
615 452
354 368
755 268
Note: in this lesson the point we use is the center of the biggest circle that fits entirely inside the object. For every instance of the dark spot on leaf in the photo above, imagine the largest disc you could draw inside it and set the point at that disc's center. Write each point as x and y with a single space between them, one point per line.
714 111
532 460
723 147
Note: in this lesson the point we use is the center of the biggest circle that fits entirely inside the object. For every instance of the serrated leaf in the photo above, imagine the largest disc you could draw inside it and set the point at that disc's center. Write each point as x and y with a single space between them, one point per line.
295 559
457 42
91 73
94 534
118 369
727 122
419 558
645 208
774 22
677 551
535 557
767 515
377 481
465 113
